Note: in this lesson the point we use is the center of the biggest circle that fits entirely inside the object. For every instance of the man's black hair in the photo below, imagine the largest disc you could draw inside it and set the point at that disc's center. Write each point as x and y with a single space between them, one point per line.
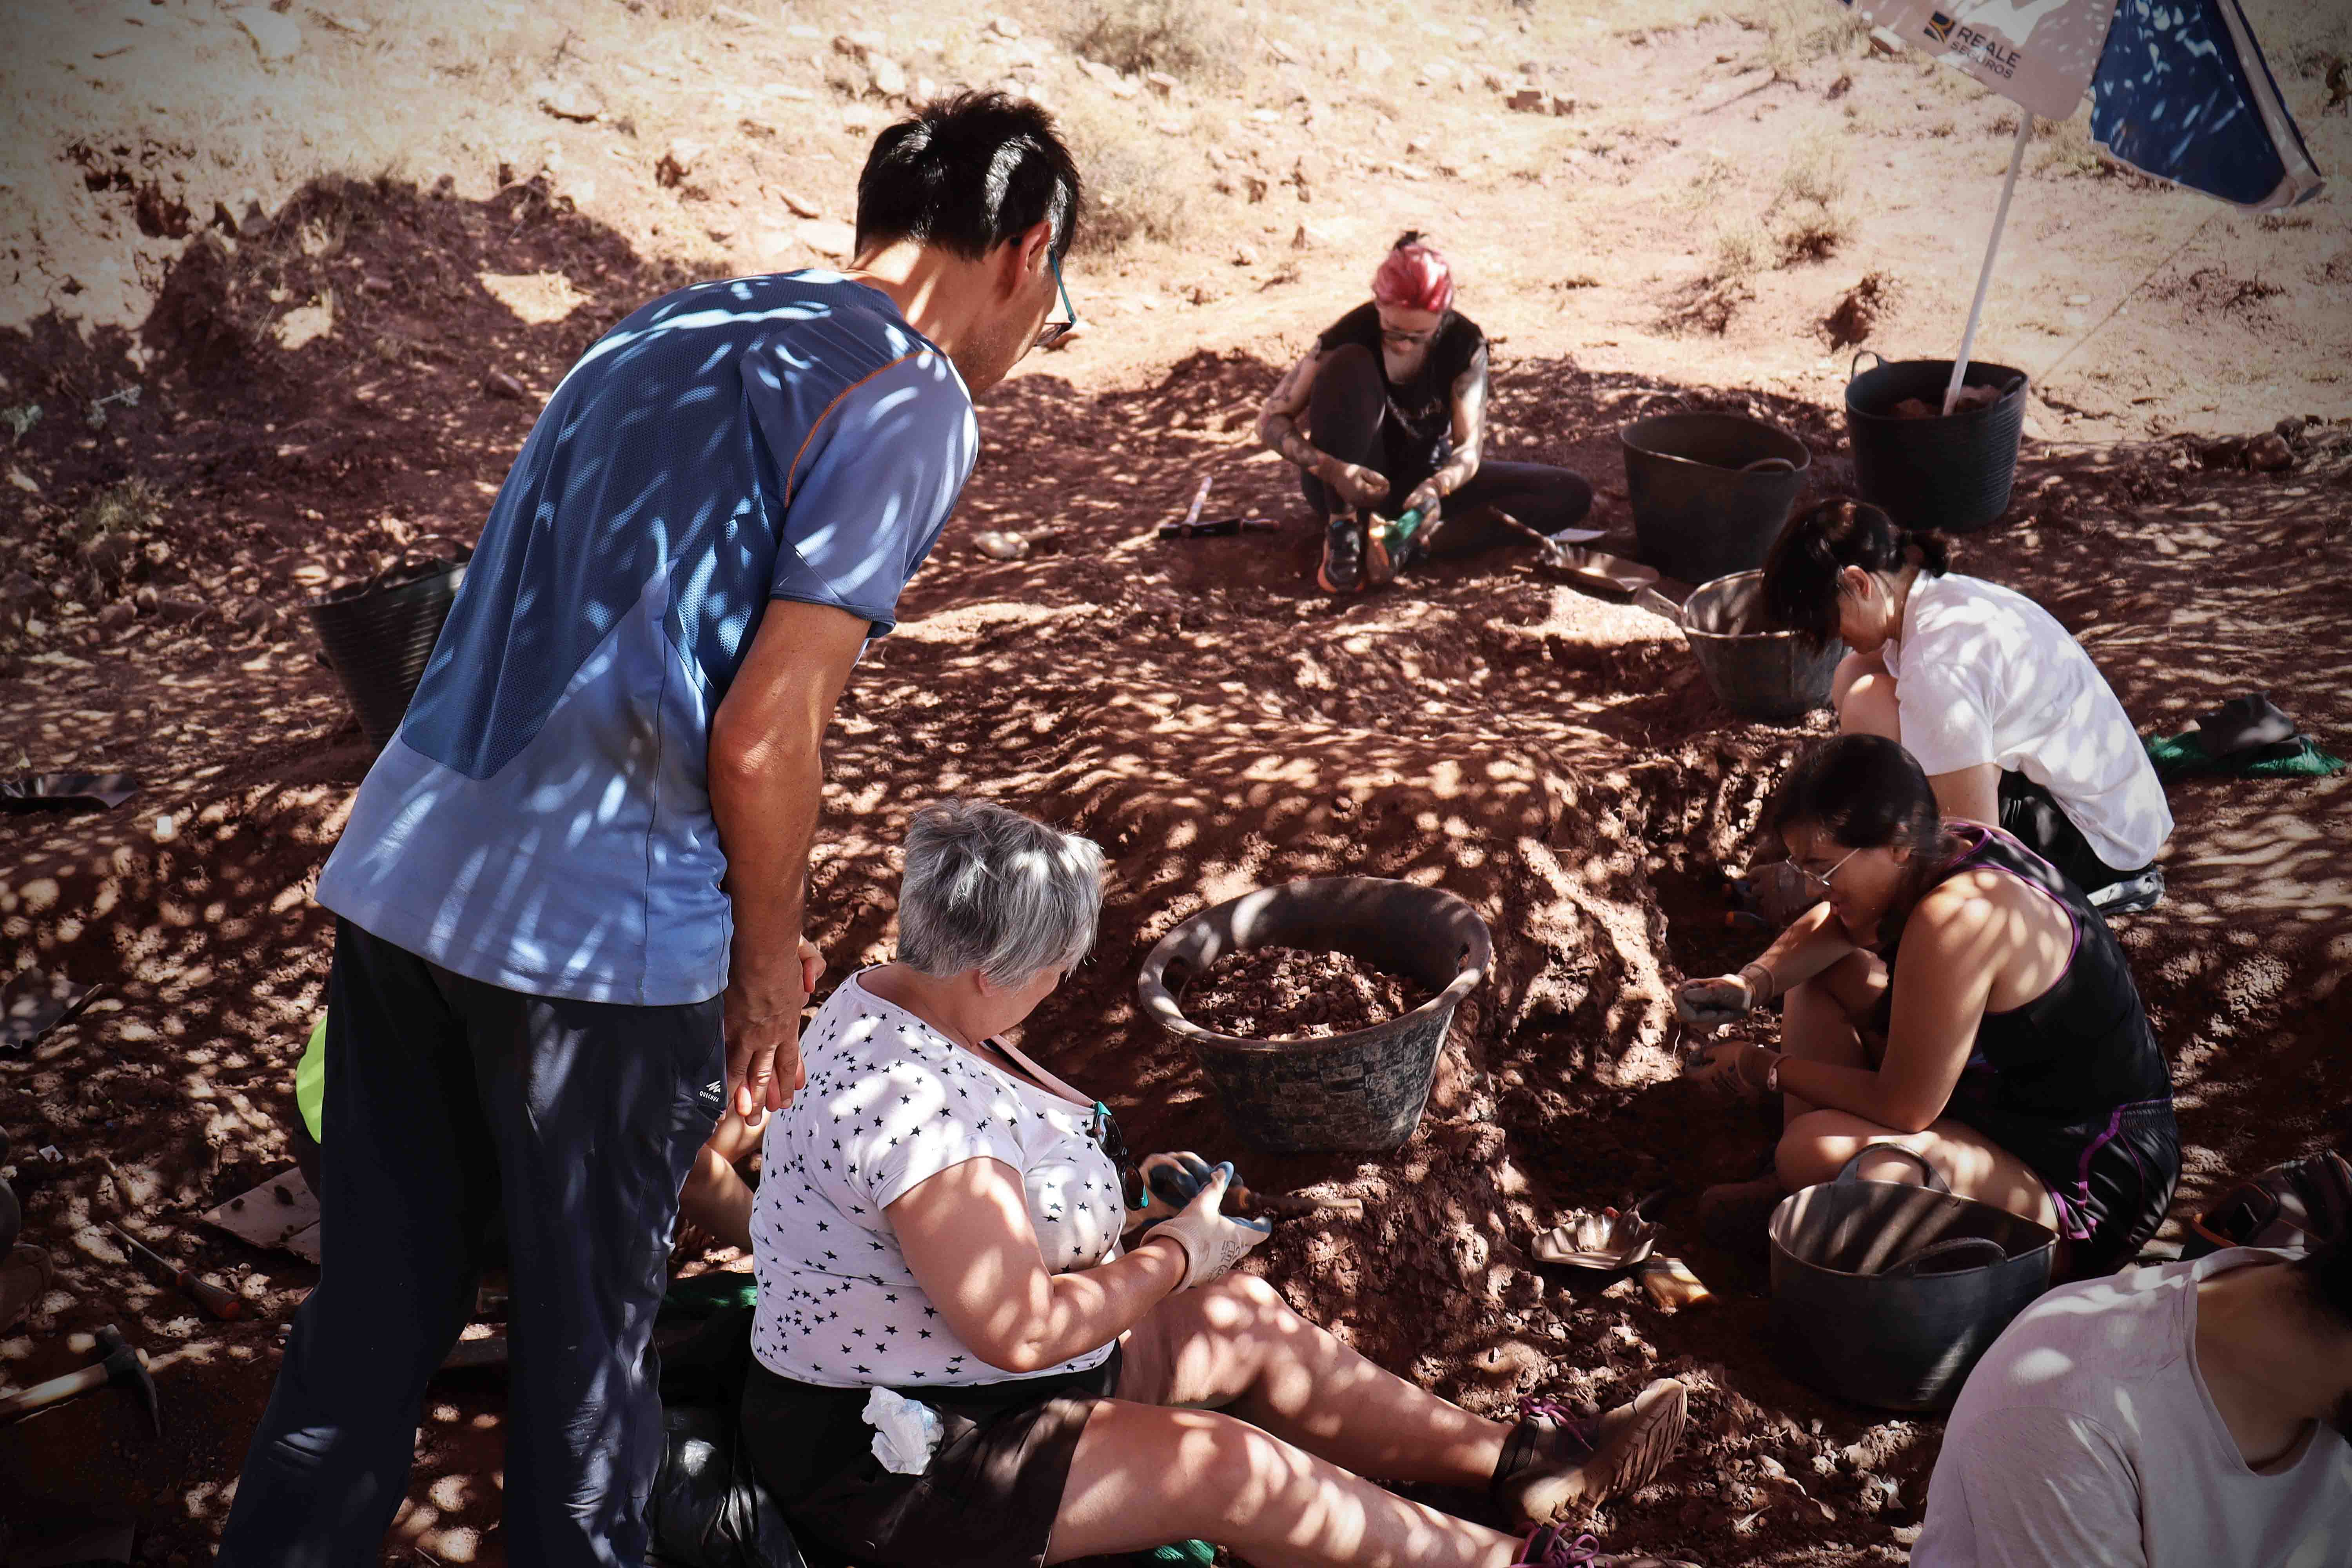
968 173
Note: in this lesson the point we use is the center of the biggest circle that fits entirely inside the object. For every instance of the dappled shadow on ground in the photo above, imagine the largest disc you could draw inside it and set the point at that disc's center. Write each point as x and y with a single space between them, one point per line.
1196 706
318 397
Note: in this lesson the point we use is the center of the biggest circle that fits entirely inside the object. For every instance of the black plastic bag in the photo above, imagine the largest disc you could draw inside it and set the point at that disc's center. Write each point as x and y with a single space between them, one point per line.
707 1509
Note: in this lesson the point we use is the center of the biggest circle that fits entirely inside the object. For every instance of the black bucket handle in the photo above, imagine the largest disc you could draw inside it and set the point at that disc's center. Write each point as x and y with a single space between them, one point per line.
1934 1178
1981 1251
1855 369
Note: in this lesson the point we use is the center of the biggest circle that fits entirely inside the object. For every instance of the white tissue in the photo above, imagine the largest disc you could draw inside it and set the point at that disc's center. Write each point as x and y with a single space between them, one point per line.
905 1432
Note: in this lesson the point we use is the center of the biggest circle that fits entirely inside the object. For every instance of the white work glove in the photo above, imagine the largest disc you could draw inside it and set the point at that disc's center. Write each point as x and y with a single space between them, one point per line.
1213 1242
1726 999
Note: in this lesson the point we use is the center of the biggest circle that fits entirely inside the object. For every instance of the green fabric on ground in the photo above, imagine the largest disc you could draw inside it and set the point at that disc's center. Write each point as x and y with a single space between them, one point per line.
708 1293
311 1079
2183 754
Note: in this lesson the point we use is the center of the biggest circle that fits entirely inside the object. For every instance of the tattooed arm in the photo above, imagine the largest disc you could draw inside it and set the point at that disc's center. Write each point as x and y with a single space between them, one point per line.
1469 441
1278 427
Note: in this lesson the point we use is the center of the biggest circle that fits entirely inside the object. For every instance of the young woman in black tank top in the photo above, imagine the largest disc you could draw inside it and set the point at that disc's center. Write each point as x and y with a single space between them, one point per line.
1386 416
1955 995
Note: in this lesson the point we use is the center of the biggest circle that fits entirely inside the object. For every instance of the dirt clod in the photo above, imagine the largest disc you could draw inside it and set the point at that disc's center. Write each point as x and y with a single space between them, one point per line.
1858 310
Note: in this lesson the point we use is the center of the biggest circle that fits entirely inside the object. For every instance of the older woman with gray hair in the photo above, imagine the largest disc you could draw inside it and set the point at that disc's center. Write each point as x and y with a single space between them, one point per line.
957 1359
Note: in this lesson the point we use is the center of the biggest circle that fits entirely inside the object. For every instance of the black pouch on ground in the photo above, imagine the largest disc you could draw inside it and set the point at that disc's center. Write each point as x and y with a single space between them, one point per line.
2244 723
2300 1206
706 1511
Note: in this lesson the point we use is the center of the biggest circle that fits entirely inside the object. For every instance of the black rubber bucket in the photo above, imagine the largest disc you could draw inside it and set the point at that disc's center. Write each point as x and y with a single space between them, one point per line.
1952 472
1701 508
1885 1294
379 637
1361 1091
1756 671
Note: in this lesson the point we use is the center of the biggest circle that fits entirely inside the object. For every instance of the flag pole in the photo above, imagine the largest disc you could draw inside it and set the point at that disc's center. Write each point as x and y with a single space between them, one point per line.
1992 251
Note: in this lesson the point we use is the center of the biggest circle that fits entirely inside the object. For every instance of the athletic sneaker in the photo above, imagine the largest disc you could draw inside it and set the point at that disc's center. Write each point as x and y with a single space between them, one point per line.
1548 1546
1554 1463
1342 570
2131 894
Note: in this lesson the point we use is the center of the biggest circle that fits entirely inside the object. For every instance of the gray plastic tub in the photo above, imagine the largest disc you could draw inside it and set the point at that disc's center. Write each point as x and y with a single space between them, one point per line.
1757 672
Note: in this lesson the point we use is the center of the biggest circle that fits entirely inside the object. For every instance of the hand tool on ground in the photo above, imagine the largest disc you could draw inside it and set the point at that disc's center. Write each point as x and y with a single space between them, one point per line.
123 1367
1200 499
218 1303
1670 1284
1219 528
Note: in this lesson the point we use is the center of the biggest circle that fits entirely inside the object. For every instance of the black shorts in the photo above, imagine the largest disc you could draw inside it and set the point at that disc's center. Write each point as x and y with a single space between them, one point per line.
988 1498
2110 1176
2031 814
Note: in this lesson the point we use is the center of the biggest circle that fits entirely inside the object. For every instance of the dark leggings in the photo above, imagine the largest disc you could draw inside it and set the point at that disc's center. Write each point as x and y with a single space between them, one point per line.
1347 417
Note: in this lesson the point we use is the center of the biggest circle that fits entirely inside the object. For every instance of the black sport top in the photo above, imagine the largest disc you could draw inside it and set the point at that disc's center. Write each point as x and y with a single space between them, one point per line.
2082 1047
1423 407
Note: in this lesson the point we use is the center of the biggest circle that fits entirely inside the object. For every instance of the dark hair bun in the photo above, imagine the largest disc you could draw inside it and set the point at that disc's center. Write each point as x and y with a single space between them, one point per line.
1934 551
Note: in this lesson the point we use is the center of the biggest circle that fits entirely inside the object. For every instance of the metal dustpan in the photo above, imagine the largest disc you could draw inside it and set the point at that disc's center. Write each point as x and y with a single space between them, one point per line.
66 792
1597 571
280 1213
1608 1241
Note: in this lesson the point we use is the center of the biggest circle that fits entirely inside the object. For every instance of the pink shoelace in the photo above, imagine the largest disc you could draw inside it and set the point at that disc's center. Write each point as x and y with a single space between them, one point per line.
1558 1550
1581 1429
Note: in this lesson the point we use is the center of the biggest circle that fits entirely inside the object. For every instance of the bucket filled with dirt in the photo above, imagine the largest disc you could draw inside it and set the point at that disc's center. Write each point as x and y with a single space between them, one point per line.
1757 670
1710 492
1317 1009
1929 468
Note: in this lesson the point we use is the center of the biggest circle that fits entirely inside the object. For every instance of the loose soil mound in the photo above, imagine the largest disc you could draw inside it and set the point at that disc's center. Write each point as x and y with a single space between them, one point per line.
1290 993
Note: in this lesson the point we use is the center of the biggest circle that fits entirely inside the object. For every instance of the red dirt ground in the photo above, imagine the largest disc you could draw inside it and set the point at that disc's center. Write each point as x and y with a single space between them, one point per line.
1198 709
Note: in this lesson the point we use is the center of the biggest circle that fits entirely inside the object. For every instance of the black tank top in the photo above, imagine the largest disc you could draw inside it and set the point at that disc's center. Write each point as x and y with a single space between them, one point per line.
1423 407
2080 1049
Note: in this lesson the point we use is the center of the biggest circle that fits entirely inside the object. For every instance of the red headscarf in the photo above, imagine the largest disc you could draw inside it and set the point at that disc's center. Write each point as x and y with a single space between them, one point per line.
1413 278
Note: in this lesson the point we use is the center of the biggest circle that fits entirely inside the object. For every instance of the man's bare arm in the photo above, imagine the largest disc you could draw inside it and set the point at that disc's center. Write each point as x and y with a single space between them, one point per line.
766 772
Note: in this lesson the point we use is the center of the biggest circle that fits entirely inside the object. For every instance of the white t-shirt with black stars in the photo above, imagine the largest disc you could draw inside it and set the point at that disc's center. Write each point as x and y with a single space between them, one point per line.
890 1101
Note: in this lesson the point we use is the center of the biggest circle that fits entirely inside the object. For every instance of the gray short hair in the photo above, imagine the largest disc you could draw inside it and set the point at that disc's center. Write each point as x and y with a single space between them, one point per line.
991 889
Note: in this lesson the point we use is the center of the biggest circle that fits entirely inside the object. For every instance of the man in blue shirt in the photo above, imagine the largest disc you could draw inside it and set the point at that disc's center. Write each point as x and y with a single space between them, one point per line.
570 892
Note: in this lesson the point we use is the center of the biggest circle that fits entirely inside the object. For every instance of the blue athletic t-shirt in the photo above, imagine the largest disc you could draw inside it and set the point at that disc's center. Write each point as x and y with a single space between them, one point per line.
543 820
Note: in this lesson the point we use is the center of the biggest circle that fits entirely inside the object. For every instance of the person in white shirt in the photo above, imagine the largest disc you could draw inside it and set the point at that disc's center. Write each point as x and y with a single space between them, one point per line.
939 1220
2013 722
2172 1417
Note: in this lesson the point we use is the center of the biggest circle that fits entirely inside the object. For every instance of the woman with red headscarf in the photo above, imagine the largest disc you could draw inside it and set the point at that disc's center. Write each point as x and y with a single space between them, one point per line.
1394 396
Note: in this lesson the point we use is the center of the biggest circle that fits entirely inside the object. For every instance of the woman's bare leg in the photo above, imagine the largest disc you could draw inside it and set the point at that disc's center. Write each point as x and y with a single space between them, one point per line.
1238 1346
1863 692
1817 1146
1144 1476
1821 1019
